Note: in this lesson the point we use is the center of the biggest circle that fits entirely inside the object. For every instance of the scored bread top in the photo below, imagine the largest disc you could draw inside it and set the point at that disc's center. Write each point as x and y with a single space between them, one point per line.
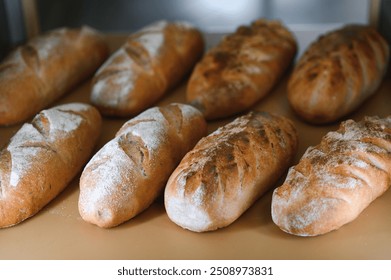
150 62
129 172
337 73
45 68
241 69
228 170
43 157
337 179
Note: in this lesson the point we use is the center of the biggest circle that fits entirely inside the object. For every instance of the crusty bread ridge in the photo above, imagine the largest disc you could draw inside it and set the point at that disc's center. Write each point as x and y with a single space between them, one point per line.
241 69
131 170
228 170
336 180
48 66
337 73
43 157
151 62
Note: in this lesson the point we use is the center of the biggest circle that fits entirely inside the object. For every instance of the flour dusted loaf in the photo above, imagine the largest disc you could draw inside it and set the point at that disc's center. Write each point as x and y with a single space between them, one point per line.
43 157
48 66
152 61
241 69
228 170
336 180
337 73
131 170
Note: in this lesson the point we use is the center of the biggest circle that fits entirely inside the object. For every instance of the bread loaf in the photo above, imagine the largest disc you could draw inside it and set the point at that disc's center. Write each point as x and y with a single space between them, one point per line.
131 170
337 73
43 157
228 170
36 74
336 180
241 69
152 61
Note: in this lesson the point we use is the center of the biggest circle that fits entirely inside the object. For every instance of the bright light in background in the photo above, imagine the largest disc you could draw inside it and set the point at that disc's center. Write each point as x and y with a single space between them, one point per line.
226 7
214 16
222 15
226 15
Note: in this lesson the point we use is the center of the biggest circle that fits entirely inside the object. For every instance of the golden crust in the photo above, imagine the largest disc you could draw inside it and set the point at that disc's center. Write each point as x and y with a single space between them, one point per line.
241 69
43 157
48 66
228 170
151 62
337 73
335 180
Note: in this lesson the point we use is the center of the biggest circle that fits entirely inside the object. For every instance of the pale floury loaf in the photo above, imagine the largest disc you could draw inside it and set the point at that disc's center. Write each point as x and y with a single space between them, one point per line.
43 157
151 62
337 179
228 170
131 170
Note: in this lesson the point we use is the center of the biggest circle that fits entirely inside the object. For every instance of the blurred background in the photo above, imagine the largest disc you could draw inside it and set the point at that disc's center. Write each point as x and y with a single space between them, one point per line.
22 19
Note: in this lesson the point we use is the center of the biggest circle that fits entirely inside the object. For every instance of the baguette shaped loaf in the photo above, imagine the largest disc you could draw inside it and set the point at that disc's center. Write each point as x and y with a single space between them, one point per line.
38 73
241 69
337 73
152 61
228 170
336 180
131 170
43 157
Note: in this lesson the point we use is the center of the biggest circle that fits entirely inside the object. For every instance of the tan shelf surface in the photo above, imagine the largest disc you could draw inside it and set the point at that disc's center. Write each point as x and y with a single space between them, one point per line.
58 232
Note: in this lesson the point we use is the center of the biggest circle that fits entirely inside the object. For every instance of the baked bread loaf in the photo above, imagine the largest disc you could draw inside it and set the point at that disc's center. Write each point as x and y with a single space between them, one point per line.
131 170
228 170
38 73
43 157
337 73
152 61
241 69
336 180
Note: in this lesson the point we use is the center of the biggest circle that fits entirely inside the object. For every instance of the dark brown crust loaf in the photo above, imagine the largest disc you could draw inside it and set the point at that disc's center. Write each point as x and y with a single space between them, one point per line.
228 170
131 170
336 180
151 62
337 73
43 157
48 66
241 69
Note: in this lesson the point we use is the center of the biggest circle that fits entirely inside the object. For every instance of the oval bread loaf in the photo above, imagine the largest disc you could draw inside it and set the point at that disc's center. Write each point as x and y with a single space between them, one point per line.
131 170
43 157
152 61
241 69
336 180
48 66
337 73
228 170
